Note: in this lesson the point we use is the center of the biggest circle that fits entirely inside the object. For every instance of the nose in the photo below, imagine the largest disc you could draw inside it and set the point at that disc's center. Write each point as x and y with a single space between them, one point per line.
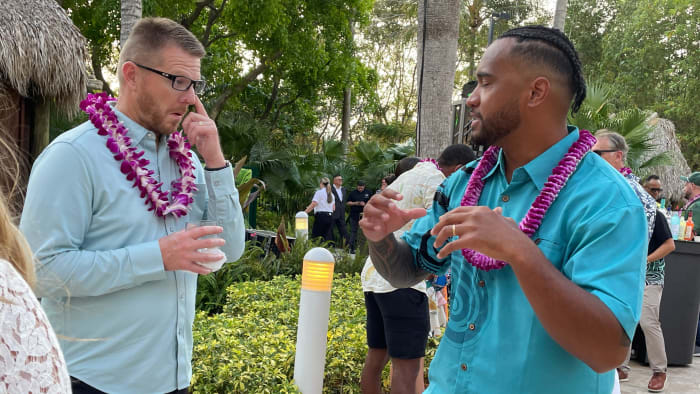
474 98
189 96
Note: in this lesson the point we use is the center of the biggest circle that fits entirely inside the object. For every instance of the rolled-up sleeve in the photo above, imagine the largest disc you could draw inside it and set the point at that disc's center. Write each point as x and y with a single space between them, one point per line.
223 205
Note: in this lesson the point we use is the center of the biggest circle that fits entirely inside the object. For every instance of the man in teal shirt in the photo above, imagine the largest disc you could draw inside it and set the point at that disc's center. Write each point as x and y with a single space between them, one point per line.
118 280
559 316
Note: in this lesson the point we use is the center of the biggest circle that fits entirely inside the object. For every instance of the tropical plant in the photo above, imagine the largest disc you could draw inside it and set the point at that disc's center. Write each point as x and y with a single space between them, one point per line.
597 113
250 346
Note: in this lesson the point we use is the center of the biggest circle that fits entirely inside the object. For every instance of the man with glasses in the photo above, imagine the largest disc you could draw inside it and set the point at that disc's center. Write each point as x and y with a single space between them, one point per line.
652 184
117 270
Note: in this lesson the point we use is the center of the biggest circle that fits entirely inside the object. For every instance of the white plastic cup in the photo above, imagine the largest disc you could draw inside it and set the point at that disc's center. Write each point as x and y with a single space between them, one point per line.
212 265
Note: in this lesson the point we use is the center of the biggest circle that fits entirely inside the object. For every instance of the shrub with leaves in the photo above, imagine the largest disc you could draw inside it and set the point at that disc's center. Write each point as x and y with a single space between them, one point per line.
250 346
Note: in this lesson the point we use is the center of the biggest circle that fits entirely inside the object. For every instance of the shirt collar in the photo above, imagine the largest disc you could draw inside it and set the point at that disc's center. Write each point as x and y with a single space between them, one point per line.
540 168
136 132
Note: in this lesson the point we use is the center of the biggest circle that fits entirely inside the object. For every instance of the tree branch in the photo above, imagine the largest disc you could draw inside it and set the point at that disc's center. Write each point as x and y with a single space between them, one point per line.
273 98
189 20
213 15
240 85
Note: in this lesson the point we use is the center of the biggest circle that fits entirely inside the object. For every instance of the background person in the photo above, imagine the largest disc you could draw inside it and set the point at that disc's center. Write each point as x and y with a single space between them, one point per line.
652 184
341 197
660 246
322 204
356 201
398 320
691 191
109 268
30 356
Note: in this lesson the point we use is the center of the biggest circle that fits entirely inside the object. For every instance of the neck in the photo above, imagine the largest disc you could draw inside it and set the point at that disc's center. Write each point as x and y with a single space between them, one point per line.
526 143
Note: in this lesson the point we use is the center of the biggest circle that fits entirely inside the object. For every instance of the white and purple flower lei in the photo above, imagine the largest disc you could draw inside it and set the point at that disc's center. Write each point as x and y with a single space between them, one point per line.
532 220
428 159
134 166
625 171
689 203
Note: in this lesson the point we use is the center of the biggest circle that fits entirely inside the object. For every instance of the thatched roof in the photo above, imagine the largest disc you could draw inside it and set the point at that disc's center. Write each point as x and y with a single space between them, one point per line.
664 140
42 53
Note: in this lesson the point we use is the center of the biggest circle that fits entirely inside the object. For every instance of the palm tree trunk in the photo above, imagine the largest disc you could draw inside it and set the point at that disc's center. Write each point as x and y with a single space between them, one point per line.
438 30
130 14
560 15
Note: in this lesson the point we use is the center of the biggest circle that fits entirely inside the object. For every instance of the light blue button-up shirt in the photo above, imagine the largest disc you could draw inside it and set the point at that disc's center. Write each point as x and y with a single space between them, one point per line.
594 233
128 322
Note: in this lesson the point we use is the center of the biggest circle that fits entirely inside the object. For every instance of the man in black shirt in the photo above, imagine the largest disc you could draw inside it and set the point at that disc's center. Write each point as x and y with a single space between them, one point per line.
356 201
660 245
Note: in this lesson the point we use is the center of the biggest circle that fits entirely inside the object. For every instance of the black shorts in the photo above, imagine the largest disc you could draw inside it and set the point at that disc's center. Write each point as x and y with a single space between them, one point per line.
398 321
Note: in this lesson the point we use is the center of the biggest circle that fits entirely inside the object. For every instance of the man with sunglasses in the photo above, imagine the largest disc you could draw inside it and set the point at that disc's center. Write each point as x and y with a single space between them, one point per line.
117 268
652 184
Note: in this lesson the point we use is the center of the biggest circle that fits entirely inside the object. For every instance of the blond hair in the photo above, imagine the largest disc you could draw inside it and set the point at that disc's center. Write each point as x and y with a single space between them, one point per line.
13 246
325 181
150 35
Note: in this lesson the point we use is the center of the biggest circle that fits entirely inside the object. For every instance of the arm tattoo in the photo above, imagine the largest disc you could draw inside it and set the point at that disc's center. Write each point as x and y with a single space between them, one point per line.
393 259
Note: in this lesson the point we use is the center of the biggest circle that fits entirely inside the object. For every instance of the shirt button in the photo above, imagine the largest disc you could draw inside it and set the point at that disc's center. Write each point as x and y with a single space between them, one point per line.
537 241
151 135
472 326
482 283
464 367
505 198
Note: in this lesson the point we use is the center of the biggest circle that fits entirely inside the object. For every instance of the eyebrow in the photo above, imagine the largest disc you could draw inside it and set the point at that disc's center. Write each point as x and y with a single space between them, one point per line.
482 74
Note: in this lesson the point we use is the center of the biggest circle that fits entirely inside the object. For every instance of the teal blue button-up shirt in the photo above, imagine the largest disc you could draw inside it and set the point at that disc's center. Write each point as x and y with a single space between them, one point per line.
594 233
128 322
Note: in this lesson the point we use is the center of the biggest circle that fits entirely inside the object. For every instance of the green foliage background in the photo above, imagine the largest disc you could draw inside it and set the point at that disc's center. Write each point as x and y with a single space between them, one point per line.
250 346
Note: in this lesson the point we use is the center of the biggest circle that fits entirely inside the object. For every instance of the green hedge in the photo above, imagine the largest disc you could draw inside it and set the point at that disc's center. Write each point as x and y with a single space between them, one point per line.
255 265
250 346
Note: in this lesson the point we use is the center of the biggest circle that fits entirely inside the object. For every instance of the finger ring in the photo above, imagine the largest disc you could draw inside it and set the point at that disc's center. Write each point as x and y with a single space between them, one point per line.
453 230
202 123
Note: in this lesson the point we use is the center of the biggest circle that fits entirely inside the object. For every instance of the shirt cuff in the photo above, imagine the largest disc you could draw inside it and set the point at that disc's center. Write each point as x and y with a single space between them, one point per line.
426 255
220 183
146 261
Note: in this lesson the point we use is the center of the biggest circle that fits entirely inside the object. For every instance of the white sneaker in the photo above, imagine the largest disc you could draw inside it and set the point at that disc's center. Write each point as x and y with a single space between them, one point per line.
352 256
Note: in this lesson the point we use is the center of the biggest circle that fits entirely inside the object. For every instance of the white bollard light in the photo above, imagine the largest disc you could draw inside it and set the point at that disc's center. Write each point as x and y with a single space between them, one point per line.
301 225
312 330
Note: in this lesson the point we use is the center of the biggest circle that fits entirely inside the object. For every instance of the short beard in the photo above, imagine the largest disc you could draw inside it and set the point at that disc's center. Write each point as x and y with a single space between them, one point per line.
151 118
498 126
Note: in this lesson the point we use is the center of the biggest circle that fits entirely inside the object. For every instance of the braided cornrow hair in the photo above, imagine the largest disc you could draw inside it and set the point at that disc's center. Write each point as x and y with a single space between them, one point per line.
551 46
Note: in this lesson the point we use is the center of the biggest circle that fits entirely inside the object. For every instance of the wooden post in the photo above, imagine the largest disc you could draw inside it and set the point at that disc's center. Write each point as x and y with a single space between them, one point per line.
40 127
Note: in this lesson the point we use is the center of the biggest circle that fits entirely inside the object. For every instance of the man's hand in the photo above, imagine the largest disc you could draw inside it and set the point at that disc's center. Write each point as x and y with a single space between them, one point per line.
201 131
382 217
179 250
481 229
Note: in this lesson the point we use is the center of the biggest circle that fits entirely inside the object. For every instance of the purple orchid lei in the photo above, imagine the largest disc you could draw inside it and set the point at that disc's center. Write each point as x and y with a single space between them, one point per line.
428 159
692 200
532 220
134 166
625 171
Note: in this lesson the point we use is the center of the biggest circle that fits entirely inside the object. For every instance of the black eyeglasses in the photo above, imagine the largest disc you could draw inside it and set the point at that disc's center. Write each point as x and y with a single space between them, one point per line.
656 190
600 152
179 82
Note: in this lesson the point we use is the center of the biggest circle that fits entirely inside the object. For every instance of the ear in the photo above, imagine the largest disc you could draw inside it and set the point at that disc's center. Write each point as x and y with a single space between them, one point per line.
129 73
539 91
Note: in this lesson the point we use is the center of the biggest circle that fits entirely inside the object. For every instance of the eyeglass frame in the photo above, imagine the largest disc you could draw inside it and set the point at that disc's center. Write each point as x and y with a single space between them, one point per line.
656 189
600 152
194 83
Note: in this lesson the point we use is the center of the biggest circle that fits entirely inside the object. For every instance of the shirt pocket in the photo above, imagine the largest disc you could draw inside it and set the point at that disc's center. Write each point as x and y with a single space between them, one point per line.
553 251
